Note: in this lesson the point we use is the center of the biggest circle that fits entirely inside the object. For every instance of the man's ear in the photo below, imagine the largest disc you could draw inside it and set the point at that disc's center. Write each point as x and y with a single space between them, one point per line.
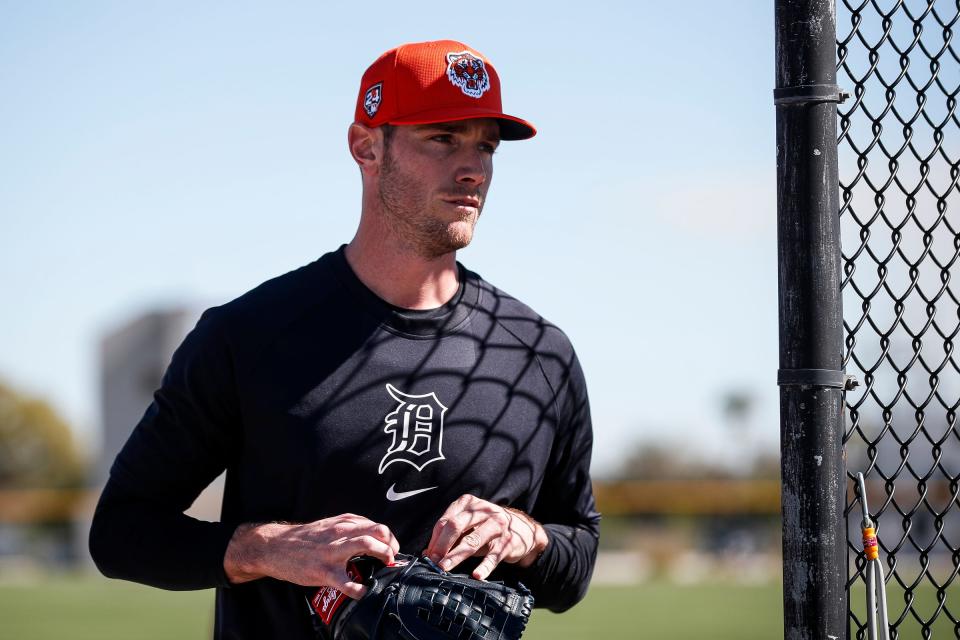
366 147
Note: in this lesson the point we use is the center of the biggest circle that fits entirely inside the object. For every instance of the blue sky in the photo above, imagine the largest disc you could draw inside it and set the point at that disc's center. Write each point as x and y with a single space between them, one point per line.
157 154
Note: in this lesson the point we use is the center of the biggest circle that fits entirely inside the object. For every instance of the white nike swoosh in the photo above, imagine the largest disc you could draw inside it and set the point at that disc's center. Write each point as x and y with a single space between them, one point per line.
393 496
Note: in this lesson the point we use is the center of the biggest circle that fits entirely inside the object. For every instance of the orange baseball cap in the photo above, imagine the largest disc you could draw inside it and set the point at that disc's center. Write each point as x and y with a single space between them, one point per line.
439 81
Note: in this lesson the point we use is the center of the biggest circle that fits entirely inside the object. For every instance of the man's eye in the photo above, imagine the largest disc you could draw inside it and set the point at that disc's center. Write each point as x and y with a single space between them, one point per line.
445 138
488 148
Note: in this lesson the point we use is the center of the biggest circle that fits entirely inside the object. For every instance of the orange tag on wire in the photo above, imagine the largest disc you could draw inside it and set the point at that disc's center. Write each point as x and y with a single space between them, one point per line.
870 546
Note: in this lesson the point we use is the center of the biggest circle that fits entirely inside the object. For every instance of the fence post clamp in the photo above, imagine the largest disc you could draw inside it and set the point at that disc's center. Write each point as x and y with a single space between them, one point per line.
809 94
829 378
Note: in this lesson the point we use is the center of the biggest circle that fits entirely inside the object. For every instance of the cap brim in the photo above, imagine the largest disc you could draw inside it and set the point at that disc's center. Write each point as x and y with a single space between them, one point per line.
511 127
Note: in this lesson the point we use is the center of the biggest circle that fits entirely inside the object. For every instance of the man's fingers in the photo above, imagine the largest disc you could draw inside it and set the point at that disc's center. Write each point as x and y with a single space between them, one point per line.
432 549
471 544
364 527
388 537
382 533
489 562
368 546
352 589
447 531
457 520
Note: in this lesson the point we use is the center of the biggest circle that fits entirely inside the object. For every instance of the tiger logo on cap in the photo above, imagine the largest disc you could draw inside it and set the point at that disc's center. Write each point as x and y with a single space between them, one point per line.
467 71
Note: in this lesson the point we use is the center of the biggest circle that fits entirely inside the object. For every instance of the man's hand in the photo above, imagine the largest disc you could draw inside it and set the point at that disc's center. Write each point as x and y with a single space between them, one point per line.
314 554
474 527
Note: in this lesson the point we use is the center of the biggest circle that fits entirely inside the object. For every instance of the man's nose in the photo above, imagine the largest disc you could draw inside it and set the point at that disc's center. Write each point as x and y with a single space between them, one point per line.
472 167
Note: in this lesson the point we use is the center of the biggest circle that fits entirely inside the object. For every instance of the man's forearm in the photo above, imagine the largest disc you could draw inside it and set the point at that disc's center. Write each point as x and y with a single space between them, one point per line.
560 575
153 544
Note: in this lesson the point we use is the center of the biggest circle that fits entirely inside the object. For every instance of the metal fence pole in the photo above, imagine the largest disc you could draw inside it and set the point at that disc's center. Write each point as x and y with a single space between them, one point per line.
811 322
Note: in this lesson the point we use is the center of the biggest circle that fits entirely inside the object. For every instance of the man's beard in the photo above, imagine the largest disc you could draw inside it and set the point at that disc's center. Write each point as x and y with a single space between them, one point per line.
404 203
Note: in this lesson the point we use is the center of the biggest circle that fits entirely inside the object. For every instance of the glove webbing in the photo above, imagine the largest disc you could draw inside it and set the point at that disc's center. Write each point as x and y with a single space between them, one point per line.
456 610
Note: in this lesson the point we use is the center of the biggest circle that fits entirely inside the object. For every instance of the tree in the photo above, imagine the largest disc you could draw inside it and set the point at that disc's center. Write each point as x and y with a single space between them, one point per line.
37 449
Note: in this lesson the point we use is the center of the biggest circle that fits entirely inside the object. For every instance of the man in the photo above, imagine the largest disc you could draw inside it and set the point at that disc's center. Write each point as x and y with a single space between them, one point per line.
380 399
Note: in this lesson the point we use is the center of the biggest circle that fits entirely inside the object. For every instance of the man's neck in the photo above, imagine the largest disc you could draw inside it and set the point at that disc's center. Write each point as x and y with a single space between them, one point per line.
403 279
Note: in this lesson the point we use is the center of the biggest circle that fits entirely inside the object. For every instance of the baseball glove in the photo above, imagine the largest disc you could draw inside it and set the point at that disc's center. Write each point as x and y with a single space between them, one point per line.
414 599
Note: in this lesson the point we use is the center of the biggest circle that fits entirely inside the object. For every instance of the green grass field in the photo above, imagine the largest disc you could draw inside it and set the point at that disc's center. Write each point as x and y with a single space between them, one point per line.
93 608
100 609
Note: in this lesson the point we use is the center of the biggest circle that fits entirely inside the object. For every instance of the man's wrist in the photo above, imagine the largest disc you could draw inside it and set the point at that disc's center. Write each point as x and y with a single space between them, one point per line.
540 538
243 560
540 543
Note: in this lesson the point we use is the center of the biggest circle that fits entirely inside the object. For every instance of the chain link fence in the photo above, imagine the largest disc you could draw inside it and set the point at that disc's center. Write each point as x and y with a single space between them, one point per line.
899 161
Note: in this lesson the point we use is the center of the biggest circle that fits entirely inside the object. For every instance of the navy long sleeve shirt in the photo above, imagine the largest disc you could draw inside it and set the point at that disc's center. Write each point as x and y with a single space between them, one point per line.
318 398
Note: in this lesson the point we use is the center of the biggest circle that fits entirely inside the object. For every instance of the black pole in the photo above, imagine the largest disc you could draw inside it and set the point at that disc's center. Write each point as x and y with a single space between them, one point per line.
811 322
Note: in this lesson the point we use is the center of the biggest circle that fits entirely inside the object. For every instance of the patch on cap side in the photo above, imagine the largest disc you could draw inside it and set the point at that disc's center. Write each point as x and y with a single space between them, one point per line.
372 99
467 71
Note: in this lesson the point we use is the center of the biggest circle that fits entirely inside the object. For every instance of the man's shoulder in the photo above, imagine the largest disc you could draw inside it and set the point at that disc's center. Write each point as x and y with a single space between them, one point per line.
521 321
275 303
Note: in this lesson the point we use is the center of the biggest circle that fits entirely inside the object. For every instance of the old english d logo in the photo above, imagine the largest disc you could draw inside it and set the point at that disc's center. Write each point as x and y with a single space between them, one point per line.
417 429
